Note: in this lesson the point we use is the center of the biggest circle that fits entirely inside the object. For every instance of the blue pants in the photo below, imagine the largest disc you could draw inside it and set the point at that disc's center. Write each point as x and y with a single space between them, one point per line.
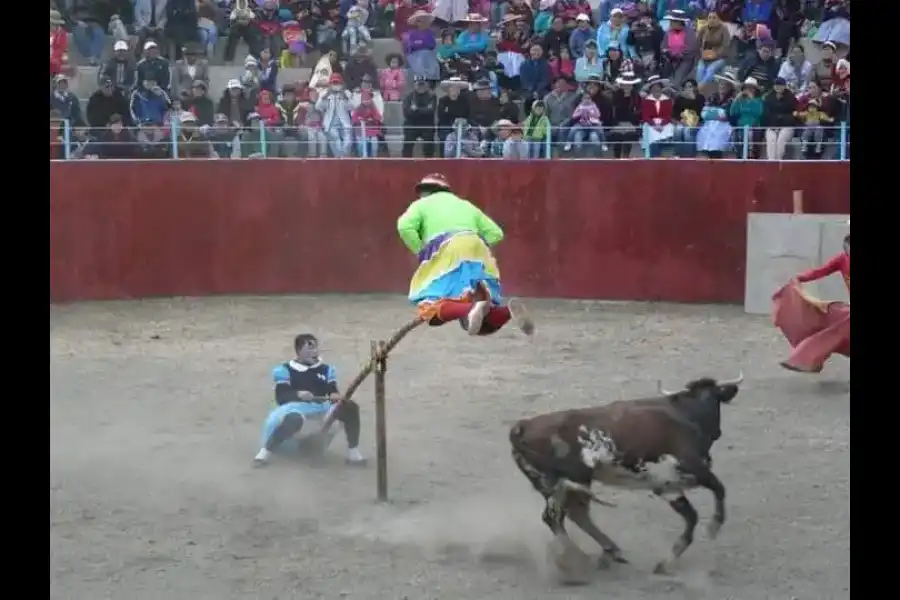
367 147
685 141
90 40
306 410
707 70
578 133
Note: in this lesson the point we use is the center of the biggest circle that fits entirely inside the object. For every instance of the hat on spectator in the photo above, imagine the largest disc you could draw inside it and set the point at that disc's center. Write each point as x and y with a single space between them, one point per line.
120 45
627 78
254 116
251 62
617 12
546 4
597 79
677 15
504 124
454 82
335 79
60 77
56 18
420 16
729 75
150 44
583 17
187 117
199 83
233 84
435 180
655 80
779 81
510 18
830 44
482 84
750 82
105 81
473 18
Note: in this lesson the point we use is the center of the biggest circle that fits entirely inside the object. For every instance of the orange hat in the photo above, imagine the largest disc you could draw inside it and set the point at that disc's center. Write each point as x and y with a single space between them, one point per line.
434 180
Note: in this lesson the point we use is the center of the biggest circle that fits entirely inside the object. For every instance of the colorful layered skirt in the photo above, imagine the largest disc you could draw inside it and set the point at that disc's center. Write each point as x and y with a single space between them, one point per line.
450 268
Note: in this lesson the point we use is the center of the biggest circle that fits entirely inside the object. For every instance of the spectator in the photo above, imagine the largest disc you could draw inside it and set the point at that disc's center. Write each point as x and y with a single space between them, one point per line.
484 108
726 89
154 143
224 138
508 109
296 36
562 65
268 71
615 30
625 115
560 104
116 141
569 10
64 102
815 121
614 63
191 68
355 32
450 11
242 27
269 114
251 138
318 142
106 102
656 115
251 78
761 66
796 70
496 73
645 39
451 107
582 33
392 80
474 40
520 8
292 119
778 117
359 67
89 31
368 123
153 67
678 49
586 124
334 104
464 141
207 25
745 42
536 131
149 20
234 105
268 23
589 65
508 142
535 76
121 68
840 89
191 141
149 103
181 24
714 136
686 111
558 37
200 104
835 27
746 112
59 44
544 17
510 54
713 42
419 47
419 108
823 71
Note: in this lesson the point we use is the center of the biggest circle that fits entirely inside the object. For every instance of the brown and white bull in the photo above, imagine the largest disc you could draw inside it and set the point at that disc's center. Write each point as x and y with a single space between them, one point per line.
659 444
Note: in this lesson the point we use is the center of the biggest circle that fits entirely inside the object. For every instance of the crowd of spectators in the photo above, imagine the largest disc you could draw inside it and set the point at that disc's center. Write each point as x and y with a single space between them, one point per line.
514 79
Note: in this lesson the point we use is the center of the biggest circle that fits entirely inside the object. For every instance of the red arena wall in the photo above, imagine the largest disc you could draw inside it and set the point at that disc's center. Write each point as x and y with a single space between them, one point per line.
667 230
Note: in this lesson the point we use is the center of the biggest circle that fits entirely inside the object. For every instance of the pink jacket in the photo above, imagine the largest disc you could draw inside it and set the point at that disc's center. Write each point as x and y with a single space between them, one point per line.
586 114
393 82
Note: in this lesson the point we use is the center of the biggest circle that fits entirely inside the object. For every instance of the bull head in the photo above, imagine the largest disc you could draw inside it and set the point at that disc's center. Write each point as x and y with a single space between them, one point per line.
727 386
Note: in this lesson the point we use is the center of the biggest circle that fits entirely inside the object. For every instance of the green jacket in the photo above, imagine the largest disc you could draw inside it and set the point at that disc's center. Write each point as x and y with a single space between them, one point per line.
444 212
747 111
536 128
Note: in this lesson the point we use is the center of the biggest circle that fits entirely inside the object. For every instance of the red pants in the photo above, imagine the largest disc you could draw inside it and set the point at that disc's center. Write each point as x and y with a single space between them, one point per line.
458 310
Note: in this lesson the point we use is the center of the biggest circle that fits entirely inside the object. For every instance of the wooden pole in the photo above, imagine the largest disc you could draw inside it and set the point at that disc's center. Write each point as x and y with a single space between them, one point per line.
797 198
379 359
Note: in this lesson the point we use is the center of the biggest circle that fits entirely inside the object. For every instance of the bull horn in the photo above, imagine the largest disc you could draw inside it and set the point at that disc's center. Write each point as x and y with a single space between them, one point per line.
663 391
737 381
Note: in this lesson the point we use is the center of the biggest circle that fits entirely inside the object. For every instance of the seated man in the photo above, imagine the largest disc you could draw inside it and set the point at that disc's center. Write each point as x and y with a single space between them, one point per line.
305 388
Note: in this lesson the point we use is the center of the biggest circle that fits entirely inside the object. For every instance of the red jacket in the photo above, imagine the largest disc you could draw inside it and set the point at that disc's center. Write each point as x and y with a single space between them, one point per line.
656 111
59 48
838 263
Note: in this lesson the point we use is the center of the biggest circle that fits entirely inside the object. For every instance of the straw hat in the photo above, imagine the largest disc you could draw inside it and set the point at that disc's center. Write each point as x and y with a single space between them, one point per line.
506 124
454 82
56 18
510 18
729 75
420 16
677 15
473 18
627 78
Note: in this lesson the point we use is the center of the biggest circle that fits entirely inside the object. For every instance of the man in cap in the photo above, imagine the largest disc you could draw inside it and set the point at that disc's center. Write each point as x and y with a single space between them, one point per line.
199 103
153 67
105 102
64 101
457 278
148 104
121 68
419 109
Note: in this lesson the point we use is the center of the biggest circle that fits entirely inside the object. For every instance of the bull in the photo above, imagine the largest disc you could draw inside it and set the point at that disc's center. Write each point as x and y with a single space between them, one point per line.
661 444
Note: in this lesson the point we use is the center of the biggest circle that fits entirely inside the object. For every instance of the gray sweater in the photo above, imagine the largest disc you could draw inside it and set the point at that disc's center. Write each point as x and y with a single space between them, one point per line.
560 107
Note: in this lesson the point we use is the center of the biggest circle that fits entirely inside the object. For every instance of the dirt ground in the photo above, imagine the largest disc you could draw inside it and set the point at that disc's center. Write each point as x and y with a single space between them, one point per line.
156 408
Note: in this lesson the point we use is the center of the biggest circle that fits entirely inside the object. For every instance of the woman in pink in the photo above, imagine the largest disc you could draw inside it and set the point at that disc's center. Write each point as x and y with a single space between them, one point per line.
815 329
586 123
392 80
368 125
266 109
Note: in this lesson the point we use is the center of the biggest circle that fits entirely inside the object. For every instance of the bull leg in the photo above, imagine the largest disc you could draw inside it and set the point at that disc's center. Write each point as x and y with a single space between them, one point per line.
579 511
683 507
572 561
709 480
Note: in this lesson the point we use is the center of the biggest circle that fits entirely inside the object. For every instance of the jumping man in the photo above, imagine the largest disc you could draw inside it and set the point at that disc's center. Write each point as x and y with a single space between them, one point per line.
457 278
306 388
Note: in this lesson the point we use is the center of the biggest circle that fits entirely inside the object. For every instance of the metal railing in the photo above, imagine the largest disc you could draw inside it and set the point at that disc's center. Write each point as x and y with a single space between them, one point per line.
719 140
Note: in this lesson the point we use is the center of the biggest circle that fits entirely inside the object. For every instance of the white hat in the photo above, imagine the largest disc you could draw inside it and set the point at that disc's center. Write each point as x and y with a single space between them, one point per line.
616 11
120 45
234 84
627 78
751 81
150 44
583 17
188 117
250 62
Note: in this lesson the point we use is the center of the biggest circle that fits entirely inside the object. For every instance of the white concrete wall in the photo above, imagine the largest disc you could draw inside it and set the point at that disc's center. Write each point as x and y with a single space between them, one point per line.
781 245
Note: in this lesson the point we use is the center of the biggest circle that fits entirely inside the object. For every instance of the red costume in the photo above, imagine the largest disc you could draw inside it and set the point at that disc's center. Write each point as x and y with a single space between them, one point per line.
814 329
59 47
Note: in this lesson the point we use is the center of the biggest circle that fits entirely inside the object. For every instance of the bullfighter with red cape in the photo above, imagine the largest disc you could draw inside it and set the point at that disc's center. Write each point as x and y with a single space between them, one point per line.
815 329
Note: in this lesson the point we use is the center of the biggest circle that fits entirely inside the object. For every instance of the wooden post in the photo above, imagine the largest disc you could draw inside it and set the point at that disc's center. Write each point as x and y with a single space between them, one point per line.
379 360
797 198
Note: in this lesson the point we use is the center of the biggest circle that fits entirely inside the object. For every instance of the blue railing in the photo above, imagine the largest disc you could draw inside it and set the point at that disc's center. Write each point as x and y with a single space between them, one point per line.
719 140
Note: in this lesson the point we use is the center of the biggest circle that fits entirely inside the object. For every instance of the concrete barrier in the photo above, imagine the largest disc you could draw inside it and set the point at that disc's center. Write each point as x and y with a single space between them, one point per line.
779 246
672 230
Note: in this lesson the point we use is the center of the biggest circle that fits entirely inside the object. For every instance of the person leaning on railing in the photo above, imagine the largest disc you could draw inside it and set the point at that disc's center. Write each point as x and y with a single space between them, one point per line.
116 141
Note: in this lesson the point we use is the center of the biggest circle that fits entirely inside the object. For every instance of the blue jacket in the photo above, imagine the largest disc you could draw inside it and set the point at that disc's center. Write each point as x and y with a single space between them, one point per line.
535 76
148 108
757 12
578 39
605 37
68 106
